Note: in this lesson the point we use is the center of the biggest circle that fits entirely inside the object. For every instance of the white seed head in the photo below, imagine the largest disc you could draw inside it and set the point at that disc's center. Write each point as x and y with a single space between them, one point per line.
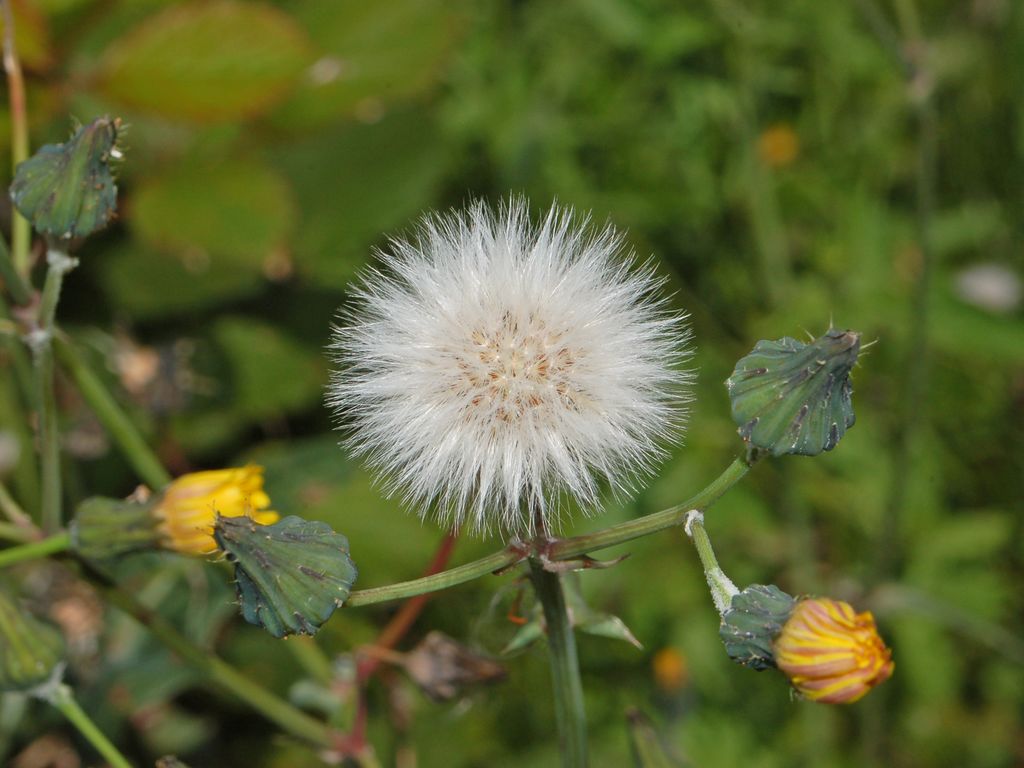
492 367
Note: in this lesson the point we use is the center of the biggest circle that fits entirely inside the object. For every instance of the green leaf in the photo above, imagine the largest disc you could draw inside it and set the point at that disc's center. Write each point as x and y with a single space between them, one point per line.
146 284
270 372
363 68
356 184
238 209
791 397
221 60
67 190
584 618
291 576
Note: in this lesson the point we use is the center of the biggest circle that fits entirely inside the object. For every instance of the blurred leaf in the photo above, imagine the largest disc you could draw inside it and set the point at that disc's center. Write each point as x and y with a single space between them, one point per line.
220 60
647 747
791 397
356 184
374 55
291 575
240 209
270 373
146 285
31 36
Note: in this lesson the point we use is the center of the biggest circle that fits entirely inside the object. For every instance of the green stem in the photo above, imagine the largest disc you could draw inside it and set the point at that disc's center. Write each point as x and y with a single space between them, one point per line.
565 669
18 397
215 671
41 341
59 542
20 291
61 697
14 532
438 581
559 550
21 233
113 418
12 510
722 588
658 521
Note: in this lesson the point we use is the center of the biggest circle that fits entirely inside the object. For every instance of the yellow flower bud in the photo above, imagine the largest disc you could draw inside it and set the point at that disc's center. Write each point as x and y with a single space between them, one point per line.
830 653
189 506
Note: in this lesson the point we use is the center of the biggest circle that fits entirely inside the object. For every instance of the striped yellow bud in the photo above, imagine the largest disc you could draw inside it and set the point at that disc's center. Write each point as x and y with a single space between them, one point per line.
830 653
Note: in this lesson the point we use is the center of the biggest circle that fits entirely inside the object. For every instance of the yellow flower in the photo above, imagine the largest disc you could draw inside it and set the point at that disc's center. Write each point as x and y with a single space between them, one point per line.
671 672
189 506
830 653
778 146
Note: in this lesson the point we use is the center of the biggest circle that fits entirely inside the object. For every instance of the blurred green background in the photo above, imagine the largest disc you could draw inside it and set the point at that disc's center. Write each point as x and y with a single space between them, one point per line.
788 163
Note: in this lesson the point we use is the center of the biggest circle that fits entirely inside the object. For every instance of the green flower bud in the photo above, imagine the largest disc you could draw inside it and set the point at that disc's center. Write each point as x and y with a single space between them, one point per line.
754 619
290 576
68 190
107 528
791 397
30 650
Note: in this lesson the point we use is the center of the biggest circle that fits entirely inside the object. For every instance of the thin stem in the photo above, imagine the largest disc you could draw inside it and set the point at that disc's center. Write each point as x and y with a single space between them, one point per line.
21 233
558 550
12 510
59 542
406 616
722 588
438 581
15 532
113 418
215 671
565 669
658 521
19 289
62 698
41 341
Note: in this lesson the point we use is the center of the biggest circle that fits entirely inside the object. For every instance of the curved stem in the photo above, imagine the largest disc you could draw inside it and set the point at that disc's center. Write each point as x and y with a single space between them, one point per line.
722 588
562 549
437 581
50 546
113 418
62 698
565 668
658 521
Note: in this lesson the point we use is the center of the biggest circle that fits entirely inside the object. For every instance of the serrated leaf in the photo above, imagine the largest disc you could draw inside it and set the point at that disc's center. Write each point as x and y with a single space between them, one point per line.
291 576
791 397
241 209
213 61
67 190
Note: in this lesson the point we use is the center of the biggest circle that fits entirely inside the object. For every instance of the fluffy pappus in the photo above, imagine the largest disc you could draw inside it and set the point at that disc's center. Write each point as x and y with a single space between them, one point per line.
491 366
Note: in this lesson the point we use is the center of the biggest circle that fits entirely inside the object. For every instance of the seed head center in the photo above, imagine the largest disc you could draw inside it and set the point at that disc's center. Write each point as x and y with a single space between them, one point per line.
512 369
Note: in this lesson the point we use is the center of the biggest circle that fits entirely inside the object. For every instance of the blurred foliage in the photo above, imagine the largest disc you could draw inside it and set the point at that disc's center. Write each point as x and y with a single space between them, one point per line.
766 153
